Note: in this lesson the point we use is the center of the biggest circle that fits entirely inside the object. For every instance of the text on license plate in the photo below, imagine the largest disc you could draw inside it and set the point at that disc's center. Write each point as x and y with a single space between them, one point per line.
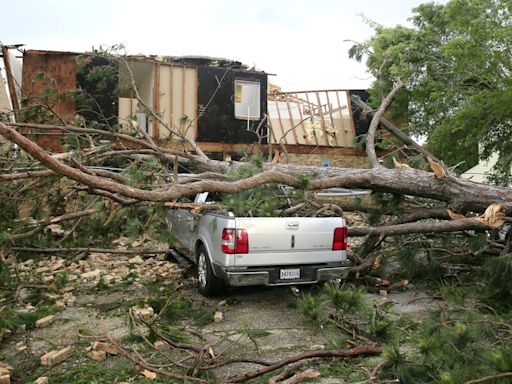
287 274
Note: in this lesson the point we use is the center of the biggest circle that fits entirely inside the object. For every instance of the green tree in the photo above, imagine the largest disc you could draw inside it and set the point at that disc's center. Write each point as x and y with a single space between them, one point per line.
456 62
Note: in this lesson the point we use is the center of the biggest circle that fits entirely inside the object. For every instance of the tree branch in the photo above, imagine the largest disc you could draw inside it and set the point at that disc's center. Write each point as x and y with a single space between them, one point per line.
44 224
370 138
353 352
420 227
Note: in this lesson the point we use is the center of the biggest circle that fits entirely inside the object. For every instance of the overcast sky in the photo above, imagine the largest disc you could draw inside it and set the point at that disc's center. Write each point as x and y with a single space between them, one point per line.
301 41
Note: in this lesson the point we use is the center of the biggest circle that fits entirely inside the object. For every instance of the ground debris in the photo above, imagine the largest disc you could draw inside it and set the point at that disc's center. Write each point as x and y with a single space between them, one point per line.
97 355
217 317
45 321
5 373
55 357
145 311
105 347
21 346
148 374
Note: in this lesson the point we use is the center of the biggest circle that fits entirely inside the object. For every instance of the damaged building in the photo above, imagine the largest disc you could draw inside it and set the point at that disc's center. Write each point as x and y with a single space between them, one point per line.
224 105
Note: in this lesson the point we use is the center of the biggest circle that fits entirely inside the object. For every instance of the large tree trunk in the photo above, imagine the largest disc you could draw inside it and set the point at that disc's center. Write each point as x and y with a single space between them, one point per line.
461 194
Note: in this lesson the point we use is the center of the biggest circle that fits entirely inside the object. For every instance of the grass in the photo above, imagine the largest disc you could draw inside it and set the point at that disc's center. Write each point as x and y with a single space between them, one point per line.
87 373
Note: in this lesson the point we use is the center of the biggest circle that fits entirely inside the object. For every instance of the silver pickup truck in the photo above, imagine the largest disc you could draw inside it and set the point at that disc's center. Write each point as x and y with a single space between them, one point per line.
271 251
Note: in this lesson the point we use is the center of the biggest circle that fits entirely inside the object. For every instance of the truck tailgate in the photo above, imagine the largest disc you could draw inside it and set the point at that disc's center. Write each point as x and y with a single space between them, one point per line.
289 241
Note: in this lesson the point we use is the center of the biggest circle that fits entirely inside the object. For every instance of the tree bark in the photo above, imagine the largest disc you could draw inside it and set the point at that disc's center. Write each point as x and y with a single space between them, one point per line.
420 227
353 352
372 130
462 194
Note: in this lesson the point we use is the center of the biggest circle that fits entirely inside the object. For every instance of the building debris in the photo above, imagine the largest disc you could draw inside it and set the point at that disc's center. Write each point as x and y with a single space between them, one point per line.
105 347
145 311
45 321
5 373
55 357
149 375
217 317
20 346
97 355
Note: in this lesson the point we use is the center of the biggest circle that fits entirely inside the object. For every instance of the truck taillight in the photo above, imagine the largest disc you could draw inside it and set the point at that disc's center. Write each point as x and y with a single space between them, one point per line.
234 241
339 242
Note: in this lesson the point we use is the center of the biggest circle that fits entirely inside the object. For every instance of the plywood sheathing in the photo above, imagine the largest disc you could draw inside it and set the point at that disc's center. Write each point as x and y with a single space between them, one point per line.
60 69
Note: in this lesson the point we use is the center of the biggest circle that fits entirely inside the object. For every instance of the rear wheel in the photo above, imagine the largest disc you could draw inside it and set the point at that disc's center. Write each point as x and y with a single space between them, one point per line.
209 284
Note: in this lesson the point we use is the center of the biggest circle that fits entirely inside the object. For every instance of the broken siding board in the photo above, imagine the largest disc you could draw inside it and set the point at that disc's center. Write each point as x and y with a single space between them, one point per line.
183 119
292 122
336 129
190 102
322 121
311 114
342 121
299 107
164 99
10 80
351 114
171 103
272 135
156 101
127 107
177 96
283 131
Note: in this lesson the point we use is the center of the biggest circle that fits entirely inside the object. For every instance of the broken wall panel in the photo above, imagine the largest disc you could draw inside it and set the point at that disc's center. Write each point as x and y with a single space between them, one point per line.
13 70
217 98
170 89
130 110
43 72
179 102
320 118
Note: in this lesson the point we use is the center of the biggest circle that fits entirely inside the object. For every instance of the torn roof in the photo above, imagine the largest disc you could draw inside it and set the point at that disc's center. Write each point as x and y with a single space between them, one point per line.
181 60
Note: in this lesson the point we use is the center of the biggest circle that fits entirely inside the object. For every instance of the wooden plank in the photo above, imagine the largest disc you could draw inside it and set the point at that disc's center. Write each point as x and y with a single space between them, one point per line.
171 111
350 112
306 136
183 98
344 133
195 106
311 91
302 149
292 122
311 114
10 82
322 117
156 101
272 133
190 102
283 137
332 119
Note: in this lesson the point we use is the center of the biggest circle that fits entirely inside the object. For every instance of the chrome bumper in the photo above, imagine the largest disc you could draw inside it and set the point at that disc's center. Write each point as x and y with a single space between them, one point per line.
267 276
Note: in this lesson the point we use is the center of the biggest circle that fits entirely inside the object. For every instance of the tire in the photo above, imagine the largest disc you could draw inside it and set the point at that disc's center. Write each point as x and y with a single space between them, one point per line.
209 284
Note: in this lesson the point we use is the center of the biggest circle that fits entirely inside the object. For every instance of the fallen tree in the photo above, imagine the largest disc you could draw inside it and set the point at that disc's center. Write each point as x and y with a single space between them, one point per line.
148 176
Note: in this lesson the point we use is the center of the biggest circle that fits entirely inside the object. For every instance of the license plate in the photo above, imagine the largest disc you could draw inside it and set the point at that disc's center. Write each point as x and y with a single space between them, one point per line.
288 274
